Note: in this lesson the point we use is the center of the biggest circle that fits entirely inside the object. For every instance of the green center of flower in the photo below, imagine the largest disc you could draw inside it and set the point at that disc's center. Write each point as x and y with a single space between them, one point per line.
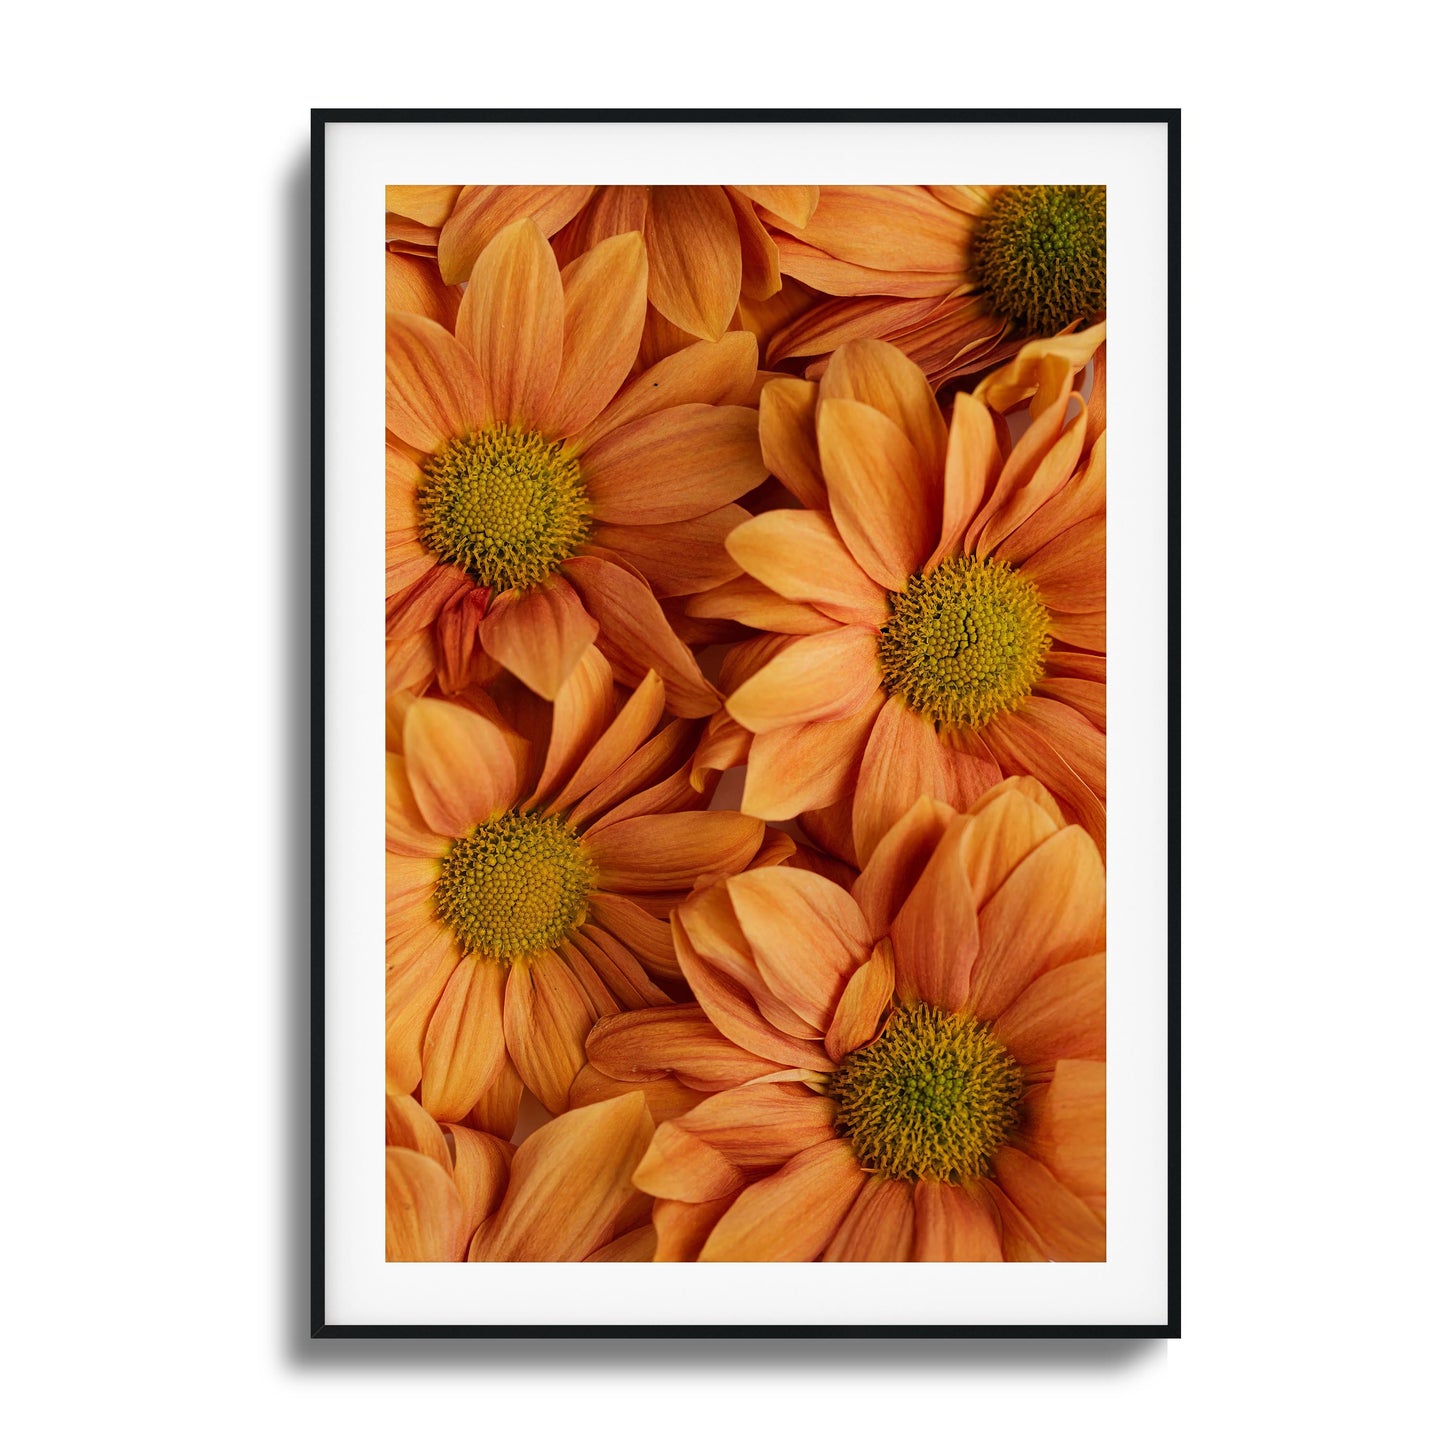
932 1097
514 885
506 504
1039 255
965 642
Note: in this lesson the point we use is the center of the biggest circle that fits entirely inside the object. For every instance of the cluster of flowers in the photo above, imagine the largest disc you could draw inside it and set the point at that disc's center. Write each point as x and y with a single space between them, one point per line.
807 482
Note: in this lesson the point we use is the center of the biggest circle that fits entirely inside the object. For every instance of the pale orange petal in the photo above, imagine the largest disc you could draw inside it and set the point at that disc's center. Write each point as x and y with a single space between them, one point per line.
464 1045
695 267
879 1226
546 1019
877 491
1066 1228
480 1170
674 465
481 212
1058 1016
604 304
793 1214
569 1183
626 732
636 636
788 436
881 376
750 602
423 1209
636 1246
667 851
682 1229
409 1126
936 933
794 769
1069 571
1048 912
648 938
433 392
898 860
431 205
414 284
511 322
406 829
413 985
1064 1129
800 555
793 204
973 464
539 634
892 228
678 558
461 766
831 675
859 1015
953 1223
645 1045
581 712
1062 750
903 762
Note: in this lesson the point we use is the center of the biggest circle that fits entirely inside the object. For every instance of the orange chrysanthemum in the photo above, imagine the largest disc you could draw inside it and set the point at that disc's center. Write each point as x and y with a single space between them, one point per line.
531 862
565 1195
910 1070
936 607
532 507
957 277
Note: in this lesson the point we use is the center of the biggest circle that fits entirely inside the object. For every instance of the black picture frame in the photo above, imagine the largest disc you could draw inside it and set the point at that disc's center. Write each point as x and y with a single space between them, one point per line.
323 1329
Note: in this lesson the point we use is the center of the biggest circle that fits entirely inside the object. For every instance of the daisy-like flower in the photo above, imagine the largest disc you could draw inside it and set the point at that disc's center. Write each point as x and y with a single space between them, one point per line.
564 1195
910 1070
935 609
957 277
531 863
534 501
707 246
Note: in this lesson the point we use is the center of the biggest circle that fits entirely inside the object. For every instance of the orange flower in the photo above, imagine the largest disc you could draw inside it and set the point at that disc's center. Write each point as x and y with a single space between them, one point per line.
530 863
564 1195
936 608
531 507
957 277
910 1070
706 245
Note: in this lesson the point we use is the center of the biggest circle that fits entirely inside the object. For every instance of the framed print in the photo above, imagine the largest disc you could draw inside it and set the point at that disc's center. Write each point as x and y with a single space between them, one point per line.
742 692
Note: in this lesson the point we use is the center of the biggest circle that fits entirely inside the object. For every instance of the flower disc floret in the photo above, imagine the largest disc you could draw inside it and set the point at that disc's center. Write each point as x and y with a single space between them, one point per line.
514 885
1039 255
506 504
966 641
931 1098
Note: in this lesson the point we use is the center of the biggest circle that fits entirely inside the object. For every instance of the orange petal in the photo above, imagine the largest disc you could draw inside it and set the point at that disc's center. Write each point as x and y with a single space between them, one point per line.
431 205
414 284
423 1209
464 1045
433 392
666 1097
793 204
511 322
879 1226
794 1214
748 601
788 436
406 829
953 1223
648 938
661 852
801 557
903 762
546 1019
636 1246
678 558
636 635
539 634
898 861
677 464
695 266
496 1111
614 964
1058 1016
481 212
413 986
1069 571
409 1126
831 675
1064 1129
877 490
972 465
1066 1228
720 373
481 1169
794 769
645 1045
680 1165
626 732
1062 750
881 376
581 712
889 228
652 780
570 1181
604 304
461 766
859 1015
682 1229
935 935
806 934
1048 912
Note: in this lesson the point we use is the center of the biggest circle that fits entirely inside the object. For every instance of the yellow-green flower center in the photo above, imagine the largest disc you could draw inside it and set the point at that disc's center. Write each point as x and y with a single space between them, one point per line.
932 1097
514 885
1039 255
965 642
506 504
